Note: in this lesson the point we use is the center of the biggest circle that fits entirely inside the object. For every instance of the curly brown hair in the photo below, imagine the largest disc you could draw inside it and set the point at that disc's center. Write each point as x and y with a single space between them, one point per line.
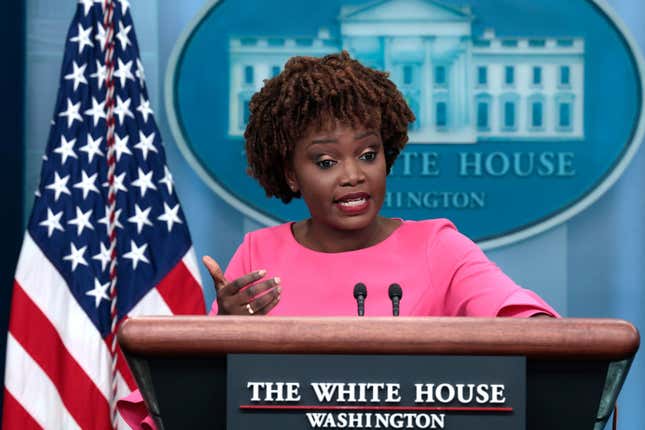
313 93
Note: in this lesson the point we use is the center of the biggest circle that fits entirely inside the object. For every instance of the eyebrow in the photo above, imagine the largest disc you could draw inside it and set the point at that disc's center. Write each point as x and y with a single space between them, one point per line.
332 140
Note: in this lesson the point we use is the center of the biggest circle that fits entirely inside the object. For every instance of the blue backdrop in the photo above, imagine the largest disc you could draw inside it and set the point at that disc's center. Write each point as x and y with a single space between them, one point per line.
591 266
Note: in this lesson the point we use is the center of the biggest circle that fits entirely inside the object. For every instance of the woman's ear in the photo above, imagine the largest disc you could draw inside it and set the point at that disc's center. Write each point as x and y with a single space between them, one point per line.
290 176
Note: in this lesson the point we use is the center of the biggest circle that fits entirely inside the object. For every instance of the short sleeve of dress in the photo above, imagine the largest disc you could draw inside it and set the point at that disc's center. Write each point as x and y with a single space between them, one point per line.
473 285
239 265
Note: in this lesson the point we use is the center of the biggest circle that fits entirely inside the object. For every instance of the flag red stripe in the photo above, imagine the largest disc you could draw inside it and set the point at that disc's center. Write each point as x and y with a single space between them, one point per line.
181 292
122 365
124 369
31 328
14 416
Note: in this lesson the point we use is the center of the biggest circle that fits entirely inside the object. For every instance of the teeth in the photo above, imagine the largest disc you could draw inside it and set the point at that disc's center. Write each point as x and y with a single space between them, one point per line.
355 202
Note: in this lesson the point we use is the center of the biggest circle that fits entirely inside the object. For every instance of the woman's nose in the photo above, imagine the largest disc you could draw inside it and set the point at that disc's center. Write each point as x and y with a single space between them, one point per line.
352 173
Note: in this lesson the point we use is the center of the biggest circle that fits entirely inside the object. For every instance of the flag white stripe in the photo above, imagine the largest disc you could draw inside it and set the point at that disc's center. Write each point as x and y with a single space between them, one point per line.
121 424
122 388
151 304
190 261
33 389
76 330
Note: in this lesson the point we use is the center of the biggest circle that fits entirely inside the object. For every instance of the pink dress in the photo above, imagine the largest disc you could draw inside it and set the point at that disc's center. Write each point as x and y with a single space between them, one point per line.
441 273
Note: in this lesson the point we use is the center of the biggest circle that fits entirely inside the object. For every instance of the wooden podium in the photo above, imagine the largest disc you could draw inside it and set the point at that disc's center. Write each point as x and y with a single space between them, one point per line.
575 367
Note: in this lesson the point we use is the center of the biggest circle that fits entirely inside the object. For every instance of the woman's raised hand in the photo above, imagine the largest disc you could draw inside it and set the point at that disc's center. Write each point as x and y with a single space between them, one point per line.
237 297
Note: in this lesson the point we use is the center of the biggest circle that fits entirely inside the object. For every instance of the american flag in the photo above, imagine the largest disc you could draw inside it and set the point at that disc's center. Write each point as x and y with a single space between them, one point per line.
106 239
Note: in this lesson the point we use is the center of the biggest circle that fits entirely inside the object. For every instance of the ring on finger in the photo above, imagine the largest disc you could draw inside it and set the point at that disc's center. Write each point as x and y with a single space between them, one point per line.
250 309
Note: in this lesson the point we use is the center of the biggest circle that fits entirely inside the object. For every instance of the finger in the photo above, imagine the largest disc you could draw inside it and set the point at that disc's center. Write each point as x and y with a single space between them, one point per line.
215 272
232 288
265 303
265 310
260 288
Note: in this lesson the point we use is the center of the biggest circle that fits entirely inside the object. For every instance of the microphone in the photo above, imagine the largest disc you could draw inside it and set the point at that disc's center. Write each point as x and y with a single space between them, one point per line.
395 293
360 292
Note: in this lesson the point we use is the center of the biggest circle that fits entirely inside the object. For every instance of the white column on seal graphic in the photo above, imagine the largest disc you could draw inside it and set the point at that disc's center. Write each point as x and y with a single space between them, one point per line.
453 89
459 99
453 98
428 85
468 86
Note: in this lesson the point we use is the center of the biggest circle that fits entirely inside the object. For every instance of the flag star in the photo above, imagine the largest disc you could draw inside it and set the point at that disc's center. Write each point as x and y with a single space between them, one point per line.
124 72
82 221
144 108
87 184
106 219
170 215
105 256
136 254
76 256
82 38
52 222
87 5
97 112
140 74
144 181
122 108
145 144
118 183
167 179
101 36
122 35
59 186
72 112
121 146
92 147
78 75
99 292
124 6
140 218
100 75
66 149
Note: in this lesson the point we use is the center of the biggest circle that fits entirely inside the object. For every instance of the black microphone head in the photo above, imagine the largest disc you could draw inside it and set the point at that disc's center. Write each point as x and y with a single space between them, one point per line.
395 291
360 290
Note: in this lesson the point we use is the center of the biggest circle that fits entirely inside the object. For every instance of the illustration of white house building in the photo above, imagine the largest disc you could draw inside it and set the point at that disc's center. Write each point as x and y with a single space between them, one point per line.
463 88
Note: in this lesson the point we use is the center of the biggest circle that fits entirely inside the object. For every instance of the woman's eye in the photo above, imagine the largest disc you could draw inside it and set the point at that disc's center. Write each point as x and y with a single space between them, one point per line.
325 164
368 156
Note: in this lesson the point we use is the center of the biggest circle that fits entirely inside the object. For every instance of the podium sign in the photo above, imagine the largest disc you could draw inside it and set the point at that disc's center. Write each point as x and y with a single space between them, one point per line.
286 392
192 375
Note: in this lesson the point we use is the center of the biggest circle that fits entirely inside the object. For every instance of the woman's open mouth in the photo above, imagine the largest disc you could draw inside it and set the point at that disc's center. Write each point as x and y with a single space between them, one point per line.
353 203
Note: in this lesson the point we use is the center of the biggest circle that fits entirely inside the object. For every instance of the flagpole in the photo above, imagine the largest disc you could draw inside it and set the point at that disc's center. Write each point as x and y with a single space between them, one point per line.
108 24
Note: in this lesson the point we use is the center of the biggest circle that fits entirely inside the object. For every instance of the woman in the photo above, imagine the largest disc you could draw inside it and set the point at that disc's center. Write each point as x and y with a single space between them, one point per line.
328 130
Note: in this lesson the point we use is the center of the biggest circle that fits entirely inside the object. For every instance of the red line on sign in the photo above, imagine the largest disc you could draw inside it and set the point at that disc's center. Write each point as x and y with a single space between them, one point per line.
376 408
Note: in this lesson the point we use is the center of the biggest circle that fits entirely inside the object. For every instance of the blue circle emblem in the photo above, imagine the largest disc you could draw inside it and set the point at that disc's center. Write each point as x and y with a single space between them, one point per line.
525 114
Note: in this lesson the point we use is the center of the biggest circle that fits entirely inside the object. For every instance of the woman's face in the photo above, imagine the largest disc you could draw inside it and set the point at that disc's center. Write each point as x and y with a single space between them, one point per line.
341 176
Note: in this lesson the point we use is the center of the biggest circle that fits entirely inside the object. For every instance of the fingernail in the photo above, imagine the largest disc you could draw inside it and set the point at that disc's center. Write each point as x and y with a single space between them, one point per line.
276 280
262 272
279 290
